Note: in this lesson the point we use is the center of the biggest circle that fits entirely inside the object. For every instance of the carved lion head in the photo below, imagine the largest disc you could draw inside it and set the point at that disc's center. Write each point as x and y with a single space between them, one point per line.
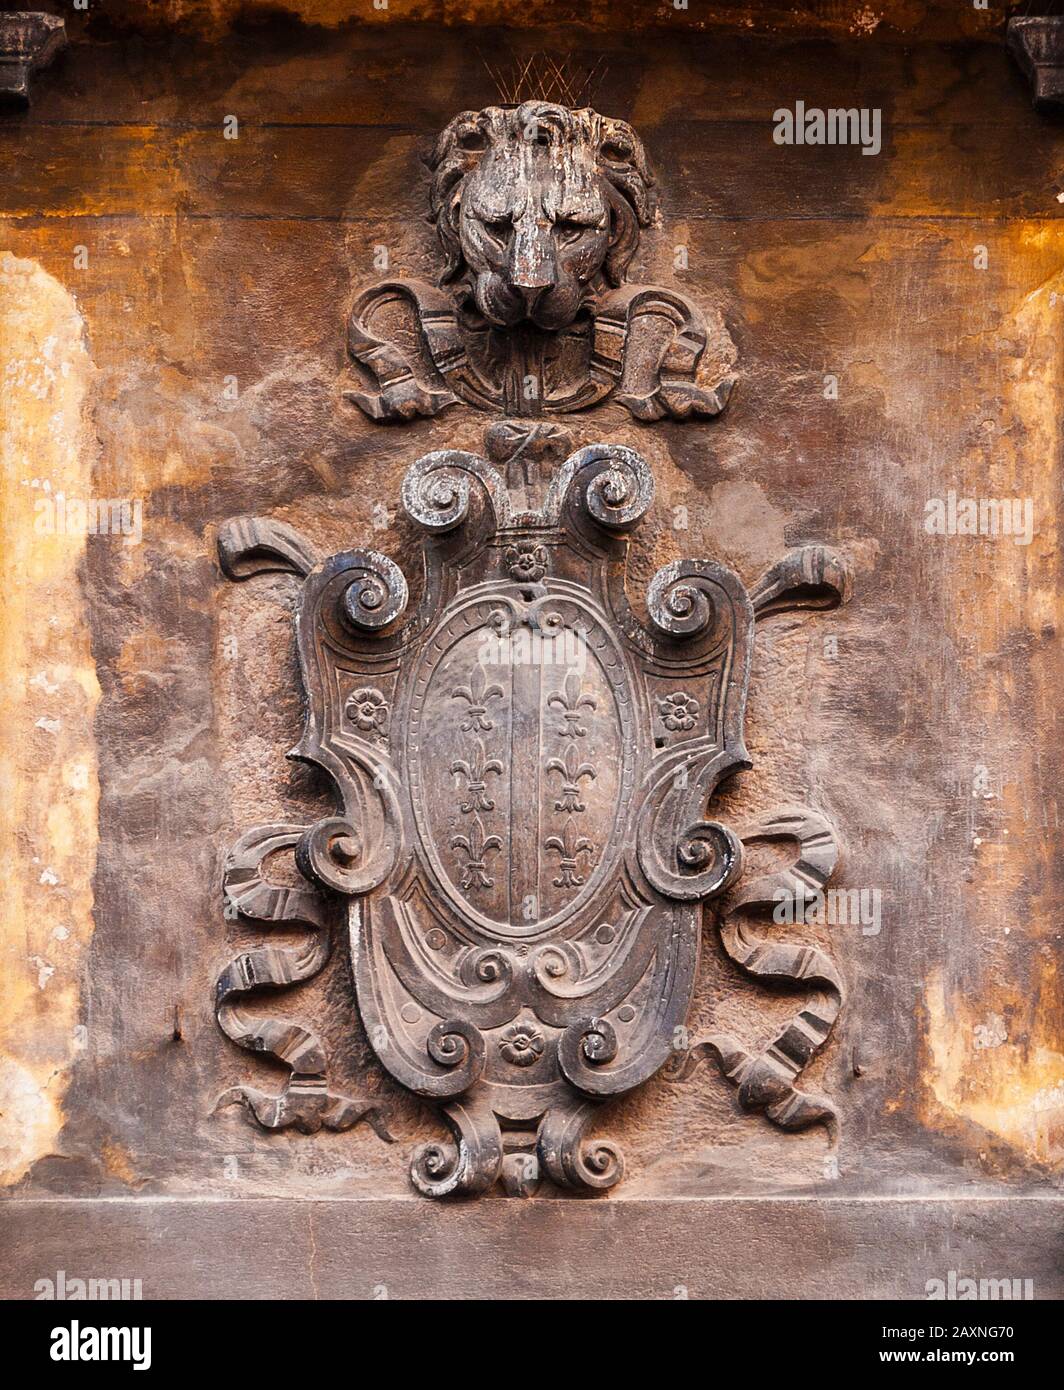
537 207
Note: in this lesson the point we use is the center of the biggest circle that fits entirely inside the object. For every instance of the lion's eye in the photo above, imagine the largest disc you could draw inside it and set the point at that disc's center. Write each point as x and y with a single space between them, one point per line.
569 231
498 227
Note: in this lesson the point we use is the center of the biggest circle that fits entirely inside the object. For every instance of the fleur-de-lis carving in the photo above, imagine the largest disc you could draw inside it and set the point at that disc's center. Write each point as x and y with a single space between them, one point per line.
571 774
475 772
477 695
476 845
571 701
569 847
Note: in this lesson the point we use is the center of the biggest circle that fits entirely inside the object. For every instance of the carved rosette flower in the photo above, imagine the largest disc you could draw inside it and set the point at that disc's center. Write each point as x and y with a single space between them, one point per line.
678 711
367 709
522 1045
527 562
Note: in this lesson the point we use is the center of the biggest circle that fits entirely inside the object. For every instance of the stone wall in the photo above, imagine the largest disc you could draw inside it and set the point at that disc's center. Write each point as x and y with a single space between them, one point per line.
172 307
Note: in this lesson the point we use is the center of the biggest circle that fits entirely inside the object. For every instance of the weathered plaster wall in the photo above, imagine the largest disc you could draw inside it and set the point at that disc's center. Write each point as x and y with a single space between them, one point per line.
48 696
211 295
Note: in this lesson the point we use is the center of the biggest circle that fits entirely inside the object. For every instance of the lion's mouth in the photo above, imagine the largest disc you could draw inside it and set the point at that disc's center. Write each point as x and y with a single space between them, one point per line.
549 307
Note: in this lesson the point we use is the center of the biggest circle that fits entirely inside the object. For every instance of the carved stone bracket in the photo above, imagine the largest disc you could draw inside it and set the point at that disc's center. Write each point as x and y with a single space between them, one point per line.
29 40
1037 44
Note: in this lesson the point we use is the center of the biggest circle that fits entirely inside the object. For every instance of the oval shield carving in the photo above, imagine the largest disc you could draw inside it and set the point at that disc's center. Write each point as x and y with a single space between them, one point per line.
521 755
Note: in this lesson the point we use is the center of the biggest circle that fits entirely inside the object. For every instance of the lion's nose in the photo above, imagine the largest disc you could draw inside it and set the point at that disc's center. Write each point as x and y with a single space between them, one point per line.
531 258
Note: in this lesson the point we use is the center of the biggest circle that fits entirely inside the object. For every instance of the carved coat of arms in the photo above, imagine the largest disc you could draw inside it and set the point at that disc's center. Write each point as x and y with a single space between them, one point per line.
524 759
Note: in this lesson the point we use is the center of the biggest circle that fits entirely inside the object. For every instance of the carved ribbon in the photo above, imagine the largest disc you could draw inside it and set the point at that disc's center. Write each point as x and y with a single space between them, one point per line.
402 397
620 320
625 334
249 545
306 1101
766 1079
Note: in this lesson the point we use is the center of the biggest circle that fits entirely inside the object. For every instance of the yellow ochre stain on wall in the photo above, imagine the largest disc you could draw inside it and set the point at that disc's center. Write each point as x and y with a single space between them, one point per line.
48 695
1008 1077
995 1061
993 1047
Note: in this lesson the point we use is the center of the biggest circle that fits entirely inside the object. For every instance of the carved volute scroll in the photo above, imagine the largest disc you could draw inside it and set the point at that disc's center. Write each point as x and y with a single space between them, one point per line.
522 843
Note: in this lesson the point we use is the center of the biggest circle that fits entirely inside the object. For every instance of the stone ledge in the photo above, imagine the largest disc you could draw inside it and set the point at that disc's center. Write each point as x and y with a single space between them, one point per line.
781 1248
